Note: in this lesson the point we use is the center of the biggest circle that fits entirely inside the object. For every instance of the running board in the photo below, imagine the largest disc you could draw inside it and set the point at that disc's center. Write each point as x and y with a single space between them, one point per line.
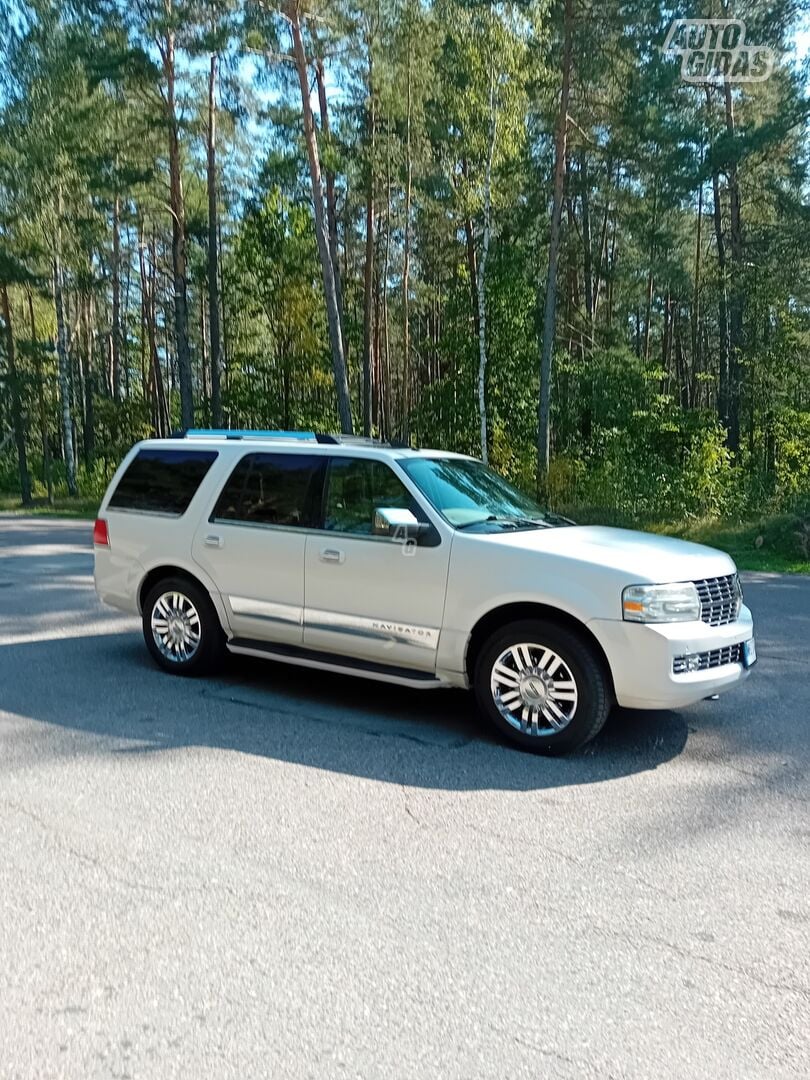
341 665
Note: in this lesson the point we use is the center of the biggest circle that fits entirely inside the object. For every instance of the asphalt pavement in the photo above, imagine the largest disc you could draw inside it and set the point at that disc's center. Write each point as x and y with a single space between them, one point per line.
279 873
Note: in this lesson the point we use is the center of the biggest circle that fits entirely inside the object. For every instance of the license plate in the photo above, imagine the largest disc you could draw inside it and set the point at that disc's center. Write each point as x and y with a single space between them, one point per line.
749 653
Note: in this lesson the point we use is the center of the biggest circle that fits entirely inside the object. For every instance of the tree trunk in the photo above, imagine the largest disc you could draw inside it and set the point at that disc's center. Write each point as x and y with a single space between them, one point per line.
648 312
331 201
695 314
124 333
651 273
610 271
368 282
225 328
160 416
472 260
736 297
16 401
549 313
472 270
666 343
332 314
481 282
146 386
603 262
386 398
116 299
722 305
587 256
406 261
215 352
204 367
64 373
43 421
591 287
178 236
376 365
89 385
684 385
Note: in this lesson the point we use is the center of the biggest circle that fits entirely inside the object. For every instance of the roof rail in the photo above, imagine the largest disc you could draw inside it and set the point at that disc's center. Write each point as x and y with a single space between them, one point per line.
323 437
348 440
241 433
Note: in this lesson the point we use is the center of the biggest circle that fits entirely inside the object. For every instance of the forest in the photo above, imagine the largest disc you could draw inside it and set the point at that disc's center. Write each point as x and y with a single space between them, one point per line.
513 230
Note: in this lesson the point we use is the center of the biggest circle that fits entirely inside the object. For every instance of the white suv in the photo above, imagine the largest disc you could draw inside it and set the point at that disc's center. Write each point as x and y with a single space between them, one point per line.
416 567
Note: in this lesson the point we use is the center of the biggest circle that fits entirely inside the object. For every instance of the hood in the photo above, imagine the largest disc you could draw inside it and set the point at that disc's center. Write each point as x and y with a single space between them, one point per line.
643 557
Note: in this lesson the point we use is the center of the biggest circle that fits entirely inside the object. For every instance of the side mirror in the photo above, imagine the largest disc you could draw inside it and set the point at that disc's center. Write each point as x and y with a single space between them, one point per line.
398 524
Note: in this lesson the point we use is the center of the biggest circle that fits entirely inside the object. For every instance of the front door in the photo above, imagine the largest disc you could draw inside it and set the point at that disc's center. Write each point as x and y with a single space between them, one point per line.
369 596
253 545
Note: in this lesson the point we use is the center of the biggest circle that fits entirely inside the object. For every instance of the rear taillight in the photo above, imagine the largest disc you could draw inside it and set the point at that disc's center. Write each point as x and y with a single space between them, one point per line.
101 534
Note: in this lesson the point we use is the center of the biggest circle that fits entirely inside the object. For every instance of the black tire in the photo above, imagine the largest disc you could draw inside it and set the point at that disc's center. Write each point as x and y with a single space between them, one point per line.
592 695
208 653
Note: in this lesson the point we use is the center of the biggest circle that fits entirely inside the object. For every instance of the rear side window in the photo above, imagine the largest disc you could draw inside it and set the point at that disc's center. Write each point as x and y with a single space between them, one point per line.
273 489
162 481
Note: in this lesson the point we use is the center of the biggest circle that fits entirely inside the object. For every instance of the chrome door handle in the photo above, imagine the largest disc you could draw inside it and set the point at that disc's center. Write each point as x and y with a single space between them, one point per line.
214 541
332 555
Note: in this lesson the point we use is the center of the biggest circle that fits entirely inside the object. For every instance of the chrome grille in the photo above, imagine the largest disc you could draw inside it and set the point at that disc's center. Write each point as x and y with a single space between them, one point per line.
720 599
731 654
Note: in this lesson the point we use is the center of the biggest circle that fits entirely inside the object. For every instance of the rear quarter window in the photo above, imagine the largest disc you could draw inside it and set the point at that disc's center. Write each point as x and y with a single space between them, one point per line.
162 481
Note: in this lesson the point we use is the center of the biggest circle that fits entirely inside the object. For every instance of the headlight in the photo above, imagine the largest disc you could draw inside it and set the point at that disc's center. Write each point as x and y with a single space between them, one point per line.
661 603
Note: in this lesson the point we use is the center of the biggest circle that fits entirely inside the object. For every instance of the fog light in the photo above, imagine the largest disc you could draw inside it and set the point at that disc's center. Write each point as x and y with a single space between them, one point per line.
684 665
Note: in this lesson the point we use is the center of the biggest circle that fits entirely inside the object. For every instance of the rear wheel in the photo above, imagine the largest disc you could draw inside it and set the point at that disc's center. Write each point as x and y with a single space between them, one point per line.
181 627
543 686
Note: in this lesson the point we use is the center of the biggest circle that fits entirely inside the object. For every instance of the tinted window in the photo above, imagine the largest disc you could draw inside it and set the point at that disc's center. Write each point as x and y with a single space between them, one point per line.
358 487
162 480
273 489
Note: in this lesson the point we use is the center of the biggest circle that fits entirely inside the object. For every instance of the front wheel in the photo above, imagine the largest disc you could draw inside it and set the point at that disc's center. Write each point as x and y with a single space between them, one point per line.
543 686
181 628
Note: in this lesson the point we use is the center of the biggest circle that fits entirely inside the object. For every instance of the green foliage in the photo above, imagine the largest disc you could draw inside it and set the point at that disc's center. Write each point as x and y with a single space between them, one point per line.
792 456
639 431
653 467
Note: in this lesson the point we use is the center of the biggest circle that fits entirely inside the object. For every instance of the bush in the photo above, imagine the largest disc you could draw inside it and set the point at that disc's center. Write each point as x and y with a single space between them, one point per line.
654 468
792 457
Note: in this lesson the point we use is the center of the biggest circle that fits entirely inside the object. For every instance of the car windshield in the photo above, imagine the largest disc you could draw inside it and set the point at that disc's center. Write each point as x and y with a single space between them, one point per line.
469 495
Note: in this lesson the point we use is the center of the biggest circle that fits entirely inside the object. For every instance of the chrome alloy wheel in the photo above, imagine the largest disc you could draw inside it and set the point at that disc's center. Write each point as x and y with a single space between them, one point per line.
175 626
533 689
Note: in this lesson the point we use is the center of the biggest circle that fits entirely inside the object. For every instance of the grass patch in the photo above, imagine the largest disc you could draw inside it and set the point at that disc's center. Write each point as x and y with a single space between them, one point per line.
777 543
63 507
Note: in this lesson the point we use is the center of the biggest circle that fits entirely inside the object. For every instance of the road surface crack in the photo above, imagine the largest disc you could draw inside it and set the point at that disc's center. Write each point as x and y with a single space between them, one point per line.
720 965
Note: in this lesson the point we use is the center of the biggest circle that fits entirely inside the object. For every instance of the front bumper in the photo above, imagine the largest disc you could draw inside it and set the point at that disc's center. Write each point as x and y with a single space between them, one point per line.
641 659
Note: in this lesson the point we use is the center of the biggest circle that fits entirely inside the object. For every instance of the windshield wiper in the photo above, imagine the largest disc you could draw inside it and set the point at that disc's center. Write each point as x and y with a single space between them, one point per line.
508 521
477 521
525 522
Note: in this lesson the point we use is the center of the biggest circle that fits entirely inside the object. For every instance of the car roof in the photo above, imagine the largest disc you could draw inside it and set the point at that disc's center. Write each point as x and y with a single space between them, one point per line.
304 442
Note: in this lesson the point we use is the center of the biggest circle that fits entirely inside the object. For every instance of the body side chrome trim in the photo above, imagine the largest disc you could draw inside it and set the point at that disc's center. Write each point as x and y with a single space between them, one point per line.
264 609
420 637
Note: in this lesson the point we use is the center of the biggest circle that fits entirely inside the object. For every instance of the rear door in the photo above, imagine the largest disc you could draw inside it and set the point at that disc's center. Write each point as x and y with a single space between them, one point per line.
254 540
369 596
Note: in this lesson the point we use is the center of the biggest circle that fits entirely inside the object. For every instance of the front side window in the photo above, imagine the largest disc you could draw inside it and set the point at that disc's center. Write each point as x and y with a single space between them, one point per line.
273 489
356 488
161 480
469 495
